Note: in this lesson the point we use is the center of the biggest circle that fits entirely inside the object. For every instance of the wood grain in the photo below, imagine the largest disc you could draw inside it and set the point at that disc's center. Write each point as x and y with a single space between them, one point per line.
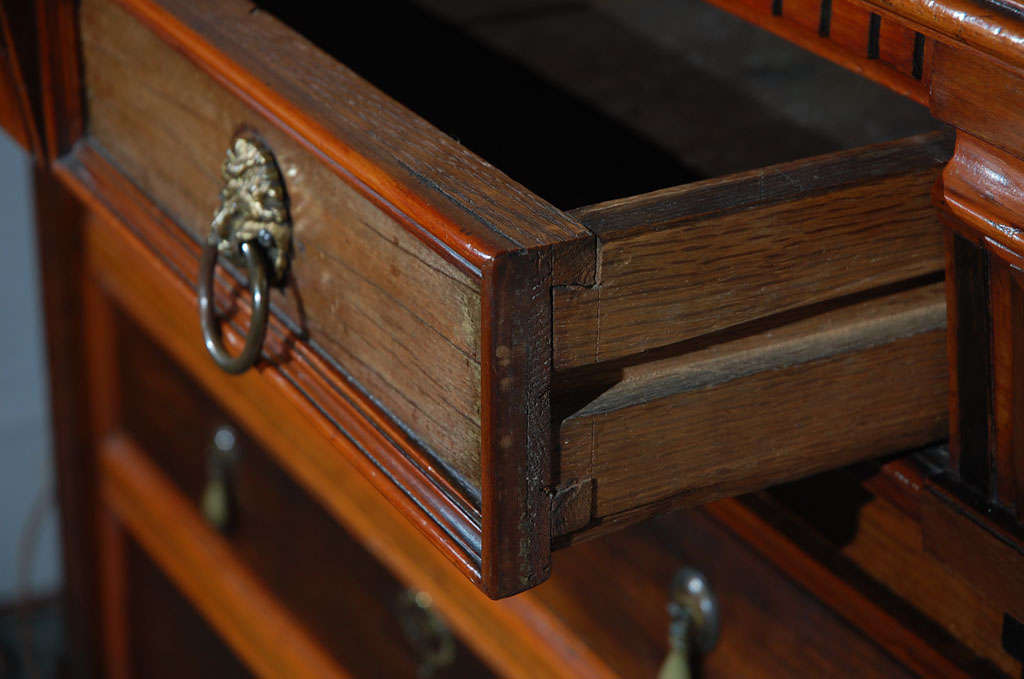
372 295
980 95
263 633
816 394
695 259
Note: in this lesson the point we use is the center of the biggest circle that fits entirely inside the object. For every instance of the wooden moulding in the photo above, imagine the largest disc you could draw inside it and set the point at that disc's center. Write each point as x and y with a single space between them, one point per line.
982 200
456 347
263 633
741 415
886 50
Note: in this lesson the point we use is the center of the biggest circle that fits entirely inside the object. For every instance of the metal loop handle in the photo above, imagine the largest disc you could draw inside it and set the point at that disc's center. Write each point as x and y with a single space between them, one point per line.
256 263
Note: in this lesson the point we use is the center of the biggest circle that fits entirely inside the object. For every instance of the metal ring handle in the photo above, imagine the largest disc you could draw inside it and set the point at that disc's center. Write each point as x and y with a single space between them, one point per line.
256 263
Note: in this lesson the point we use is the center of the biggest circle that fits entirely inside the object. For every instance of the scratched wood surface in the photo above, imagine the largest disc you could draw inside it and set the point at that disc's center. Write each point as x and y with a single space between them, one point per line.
818 393
370 294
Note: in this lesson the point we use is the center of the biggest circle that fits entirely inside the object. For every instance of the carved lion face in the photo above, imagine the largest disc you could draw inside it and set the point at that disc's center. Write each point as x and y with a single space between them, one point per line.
253 205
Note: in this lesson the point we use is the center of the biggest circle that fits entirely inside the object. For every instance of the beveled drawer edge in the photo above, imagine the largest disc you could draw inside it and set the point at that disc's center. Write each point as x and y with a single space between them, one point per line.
378 449
202 565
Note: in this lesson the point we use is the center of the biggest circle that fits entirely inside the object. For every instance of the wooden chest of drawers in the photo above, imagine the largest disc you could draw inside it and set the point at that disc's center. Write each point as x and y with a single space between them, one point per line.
462 370
503 343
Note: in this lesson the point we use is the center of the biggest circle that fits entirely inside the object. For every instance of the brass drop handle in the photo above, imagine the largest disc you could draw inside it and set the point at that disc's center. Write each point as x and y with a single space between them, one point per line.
426 632
218 500
254 260
251 229
694 623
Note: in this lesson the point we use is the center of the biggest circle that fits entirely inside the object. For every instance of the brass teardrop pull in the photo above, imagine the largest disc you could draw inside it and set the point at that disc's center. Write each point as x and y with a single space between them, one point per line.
694 623
426 632
218 501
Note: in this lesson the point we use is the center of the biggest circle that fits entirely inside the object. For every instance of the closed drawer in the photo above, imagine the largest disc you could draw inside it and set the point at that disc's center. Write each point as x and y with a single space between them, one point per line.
350 609
514 375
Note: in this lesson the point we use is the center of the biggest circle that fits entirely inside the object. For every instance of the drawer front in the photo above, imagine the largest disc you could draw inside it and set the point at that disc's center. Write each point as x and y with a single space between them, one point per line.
508 375
346 600
419 273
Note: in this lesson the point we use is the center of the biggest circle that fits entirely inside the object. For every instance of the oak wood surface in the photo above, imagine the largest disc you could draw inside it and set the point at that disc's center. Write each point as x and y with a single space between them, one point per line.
695 259
61 96
264 634
822 392
373 296
995 30
980 95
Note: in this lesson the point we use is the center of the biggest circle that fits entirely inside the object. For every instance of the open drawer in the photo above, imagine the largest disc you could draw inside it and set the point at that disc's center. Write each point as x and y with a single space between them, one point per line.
512 374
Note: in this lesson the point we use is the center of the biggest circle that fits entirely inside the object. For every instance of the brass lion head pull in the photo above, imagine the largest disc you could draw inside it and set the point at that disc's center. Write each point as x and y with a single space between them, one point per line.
252 230
253 206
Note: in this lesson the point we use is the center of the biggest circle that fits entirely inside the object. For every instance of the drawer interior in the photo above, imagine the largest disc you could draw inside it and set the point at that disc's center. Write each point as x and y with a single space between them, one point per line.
587 101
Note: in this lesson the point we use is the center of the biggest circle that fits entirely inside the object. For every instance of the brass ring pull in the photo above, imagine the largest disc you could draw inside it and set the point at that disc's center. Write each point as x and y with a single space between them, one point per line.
256 263
251 229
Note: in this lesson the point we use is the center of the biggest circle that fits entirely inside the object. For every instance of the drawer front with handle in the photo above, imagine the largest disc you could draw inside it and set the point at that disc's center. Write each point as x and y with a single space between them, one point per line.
354 612
513 375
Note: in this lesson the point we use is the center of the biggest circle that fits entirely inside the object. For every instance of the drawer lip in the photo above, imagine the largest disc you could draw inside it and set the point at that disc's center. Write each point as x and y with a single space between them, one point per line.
398 469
